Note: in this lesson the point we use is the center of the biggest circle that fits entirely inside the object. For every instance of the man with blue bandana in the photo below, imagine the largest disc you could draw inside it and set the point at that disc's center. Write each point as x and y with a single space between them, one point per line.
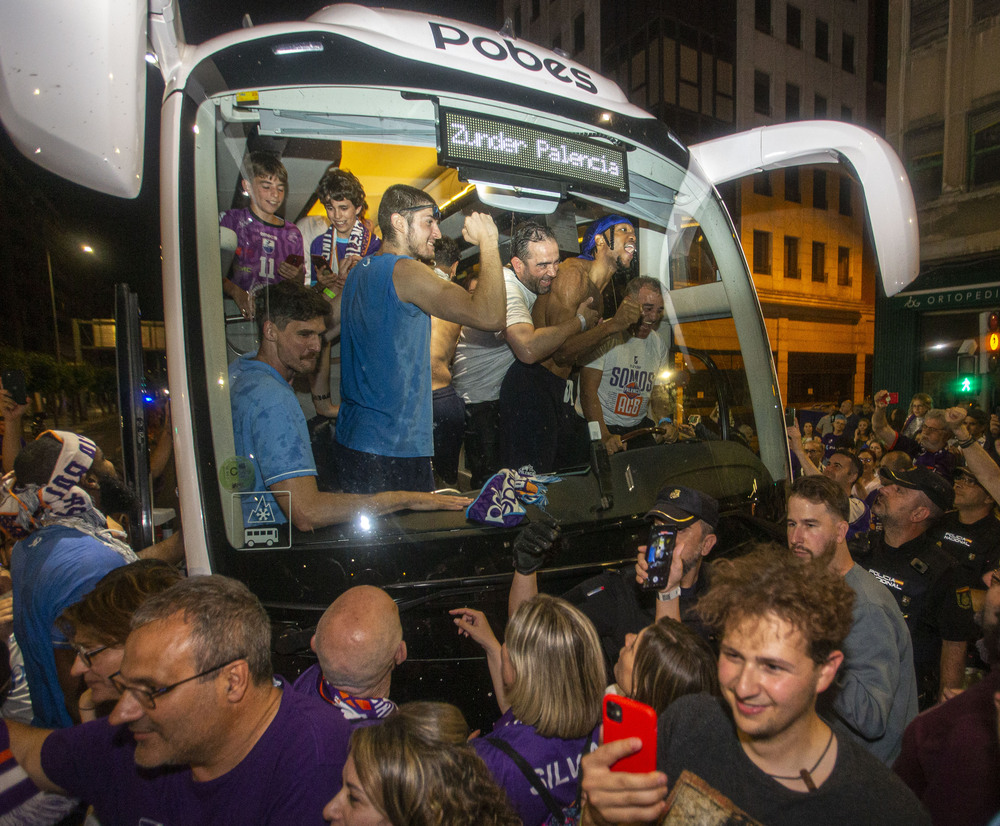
539 424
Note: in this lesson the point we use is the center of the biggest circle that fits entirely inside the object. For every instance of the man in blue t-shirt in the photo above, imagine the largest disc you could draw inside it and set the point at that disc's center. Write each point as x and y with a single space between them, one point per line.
385 426
269 426
203 733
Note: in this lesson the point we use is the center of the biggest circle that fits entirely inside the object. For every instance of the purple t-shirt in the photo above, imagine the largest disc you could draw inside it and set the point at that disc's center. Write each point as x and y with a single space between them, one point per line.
260 247
287 778
555 761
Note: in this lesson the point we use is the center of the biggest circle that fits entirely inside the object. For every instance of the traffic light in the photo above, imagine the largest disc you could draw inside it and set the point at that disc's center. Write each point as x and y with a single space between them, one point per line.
967 381
991 341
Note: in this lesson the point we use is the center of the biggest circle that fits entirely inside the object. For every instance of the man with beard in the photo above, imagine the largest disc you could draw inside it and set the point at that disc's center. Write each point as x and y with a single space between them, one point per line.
615 387
55 504
539 423
482 359
204 732
951 757
875 691
928 448
269 426
921 577
385 427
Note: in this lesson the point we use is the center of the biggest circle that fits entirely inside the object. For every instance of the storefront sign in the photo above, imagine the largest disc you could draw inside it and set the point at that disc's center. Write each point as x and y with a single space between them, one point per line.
981 295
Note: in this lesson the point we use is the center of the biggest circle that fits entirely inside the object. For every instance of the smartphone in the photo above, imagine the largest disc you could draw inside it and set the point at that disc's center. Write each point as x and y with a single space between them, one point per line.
13 383
295 260
629 718
320 263
893 398
659 555
789 416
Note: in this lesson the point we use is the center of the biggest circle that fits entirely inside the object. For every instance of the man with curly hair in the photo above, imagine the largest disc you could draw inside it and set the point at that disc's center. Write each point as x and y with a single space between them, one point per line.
762 750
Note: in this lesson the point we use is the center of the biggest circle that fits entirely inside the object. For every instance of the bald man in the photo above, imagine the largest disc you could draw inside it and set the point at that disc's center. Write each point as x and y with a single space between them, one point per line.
358 641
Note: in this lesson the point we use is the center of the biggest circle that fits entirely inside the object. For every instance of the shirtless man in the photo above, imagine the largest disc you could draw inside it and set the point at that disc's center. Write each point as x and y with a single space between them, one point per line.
539 425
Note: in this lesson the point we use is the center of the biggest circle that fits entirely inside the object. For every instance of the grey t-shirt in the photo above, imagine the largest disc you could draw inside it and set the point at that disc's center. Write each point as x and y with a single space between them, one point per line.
875 692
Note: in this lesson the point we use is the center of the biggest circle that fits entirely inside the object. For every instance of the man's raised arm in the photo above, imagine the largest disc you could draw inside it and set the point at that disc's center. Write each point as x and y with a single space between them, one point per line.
880 422
486 308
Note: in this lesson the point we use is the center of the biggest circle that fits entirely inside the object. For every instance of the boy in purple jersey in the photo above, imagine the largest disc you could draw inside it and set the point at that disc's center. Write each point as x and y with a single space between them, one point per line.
266 246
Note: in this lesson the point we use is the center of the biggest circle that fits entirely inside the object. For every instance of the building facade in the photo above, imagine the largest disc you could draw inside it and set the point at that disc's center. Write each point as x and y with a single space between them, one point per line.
943 118
721 66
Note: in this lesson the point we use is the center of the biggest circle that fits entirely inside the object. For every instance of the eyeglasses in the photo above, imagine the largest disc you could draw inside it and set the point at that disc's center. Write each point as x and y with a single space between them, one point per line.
146 697
435 212
937 429
86 657
867 461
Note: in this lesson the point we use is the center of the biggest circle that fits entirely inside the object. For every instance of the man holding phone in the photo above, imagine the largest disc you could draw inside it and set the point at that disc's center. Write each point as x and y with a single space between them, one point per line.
762 749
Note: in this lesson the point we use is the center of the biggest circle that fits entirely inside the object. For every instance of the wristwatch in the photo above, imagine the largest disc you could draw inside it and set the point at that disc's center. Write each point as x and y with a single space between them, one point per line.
668 596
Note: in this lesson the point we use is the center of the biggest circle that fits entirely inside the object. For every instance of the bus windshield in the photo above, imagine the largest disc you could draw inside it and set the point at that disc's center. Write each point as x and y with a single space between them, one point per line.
707 399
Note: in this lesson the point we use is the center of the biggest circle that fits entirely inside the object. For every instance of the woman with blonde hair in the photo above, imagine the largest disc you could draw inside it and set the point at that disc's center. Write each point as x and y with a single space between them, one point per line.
549 680
414 770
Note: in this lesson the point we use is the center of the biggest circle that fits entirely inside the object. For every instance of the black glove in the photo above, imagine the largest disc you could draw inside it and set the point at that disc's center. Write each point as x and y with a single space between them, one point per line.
533 546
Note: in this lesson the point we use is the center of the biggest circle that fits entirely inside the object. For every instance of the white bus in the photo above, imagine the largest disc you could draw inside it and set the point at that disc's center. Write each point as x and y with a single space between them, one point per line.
479 120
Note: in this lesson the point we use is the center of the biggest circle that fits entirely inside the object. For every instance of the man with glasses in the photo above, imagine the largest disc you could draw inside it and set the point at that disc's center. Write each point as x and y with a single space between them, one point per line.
203 732
929 448
385 427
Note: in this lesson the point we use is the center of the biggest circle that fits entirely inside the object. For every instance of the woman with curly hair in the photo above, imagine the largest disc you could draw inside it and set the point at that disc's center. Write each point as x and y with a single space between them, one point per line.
549 680
414 769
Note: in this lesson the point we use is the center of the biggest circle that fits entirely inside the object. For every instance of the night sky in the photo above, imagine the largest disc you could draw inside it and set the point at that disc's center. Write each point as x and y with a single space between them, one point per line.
40 212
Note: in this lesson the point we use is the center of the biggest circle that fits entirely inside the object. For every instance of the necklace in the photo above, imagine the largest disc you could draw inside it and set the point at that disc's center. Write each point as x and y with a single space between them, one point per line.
805 775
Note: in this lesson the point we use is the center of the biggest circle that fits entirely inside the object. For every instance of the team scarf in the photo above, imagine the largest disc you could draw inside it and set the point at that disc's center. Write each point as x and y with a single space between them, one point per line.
599 228
355 708
358 242
61 501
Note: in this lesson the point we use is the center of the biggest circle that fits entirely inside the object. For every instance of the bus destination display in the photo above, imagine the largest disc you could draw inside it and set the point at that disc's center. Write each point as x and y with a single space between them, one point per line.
526 150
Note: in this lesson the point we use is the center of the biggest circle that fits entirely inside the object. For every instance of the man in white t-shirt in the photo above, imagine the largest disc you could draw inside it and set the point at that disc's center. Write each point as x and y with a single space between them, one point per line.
616 385
482 358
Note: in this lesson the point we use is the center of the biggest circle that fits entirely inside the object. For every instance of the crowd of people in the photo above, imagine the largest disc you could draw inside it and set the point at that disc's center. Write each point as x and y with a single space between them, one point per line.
787 681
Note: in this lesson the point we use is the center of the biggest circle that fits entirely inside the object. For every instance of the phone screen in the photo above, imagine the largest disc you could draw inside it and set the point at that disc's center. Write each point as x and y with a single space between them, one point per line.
659 555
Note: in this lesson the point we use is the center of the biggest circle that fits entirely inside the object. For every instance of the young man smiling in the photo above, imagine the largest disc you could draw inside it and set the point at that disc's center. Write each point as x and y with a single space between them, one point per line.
763 746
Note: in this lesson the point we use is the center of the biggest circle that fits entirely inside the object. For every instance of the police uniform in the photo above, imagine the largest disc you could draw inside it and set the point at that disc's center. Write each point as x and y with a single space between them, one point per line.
926 585
975 547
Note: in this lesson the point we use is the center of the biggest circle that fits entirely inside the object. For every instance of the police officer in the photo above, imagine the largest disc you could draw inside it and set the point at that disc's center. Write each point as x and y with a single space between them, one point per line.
971 533
923 578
